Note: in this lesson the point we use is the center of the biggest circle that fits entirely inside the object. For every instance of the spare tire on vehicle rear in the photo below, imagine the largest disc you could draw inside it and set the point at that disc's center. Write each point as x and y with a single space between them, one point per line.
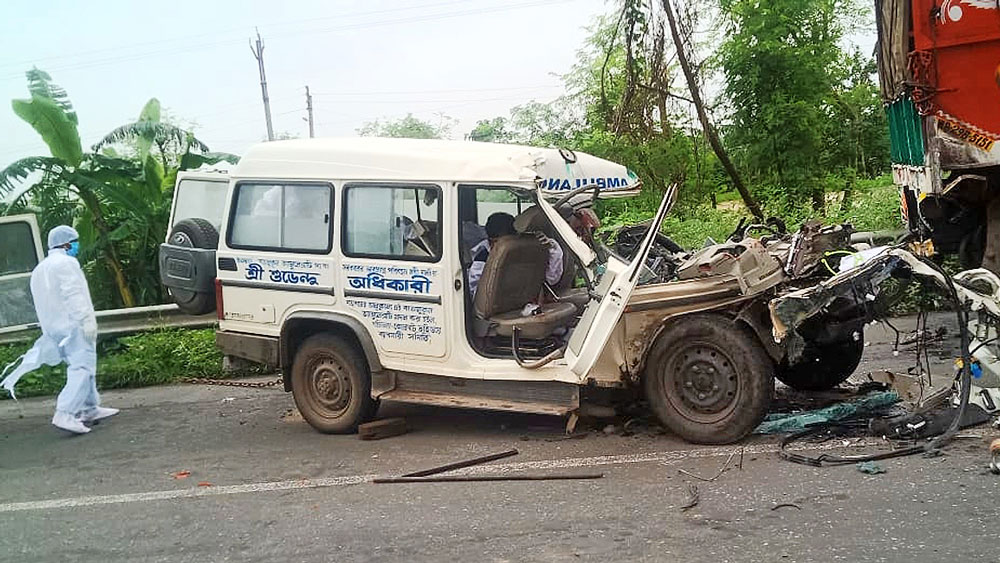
194 233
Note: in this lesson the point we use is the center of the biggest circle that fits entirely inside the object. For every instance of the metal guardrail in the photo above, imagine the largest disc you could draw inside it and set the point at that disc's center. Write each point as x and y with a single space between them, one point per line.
118 322
877 237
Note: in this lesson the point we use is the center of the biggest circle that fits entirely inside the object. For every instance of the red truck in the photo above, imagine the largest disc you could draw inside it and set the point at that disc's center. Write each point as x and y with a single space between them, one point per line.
939 69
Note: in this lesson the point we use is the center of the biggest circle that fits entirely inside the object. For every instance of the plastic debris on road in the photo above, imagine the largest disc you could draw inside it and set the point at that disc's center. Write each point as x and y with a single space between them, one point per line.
873 403
870 467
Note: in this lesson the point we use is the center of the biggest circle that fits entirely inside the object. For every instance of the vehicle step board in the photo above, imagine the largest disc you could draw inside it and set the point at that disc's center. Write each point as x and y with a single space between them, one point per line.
545 397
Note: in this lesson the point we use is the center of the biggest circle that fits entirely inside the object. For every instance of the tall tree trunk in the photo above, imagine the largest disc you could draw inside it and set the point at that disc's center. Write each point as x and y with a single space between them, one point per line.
661 103
818 198
848 200
117 270
713 137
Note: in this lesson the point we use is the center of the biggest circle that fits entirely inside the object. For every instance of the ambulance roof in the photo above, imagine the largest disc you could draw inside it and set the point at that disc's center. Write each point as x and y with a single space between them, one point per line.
431 160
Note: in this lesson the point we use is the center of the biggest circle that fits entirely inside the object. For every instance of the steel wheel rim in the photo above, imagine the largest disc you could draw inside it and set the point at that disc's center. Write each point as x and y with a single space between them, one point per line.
180 238
701 382
329 387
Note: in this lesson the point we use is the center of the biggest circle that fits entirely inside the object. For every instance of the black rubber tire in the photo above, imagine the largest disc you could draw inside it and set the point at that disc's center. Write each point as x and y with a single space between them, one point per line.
734 394
331 385
823 368
199 233
971 248
194 233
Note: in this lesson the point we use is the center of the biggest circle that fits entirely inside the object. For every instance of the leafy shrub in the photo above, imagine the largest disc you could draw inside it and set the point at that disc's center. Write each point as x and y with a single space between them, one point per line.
875 206
149 358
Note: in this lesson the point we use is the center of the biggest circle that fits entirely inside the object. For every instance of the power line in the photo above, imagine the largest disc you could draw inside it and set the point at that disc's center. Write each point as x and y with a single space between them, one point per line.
216 33
301 33
427 101
400 92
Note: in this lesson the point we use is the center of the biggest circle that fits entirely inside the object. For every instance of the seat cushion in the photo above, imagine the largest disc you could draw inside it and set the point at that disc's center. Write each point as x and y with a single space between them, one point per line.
551 317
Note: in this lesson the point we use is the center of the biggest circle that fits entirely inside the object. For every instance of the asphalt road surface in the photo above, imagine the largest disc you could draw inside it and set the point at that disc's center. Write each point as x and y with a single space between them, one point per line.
264 487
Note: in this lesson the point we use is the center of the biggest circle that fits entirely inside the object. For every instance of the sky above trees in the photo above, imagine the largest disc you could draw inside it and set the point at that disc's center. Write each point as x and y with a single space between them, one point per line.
363 60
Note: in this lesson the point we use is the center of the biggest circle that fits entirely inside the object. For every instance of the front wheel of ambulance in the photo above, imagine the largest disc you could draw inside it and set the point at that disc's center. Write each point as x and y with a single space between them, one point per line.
331 385
708 379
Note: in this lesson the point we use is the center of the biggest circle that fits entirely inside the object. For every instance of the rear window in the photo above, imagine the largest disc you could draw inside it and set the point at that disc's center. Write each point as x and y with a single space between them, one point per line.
282 217
201 199
17 248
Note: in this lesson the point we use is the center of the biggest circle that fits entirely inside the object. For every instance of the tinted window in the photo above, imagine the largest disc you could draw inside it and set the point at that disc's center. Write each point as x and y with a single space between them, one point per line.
289 217
17 248
392 222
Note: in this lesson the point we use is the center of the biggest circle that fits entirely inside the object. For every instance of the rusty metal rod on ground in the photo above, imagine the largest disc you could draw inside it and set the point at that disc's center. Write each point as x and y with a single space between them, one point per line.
461 464
473 478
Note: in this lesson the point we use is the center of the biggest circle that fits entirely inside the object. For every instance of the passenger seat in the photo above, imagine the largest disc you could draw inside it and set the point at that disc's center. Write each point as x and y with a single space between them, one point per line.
513 277
533 220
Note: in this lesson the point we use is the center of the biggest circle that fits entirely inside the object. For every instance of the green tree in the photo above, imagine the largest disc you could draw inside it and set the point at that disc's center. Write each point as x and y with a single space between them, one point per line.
857 127
540 124
491 131
91 179
780 63
409 127
161 149
119 201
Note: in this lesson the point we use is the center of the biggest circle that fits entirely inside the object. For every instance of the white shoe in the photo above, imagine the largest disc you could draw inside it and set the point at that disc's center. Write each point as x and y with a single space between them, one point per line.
69 423
98 413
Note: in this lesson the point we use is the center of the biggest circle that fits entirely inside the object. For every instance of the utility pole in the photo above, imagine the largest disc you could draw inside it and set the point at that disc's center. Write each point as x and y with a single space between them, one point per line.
309 108
258 53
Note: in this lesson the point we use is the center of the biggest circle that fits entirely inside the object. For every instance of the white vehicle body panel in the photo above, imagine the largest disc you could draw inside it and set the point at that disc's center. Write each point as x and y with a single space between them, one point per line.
413 310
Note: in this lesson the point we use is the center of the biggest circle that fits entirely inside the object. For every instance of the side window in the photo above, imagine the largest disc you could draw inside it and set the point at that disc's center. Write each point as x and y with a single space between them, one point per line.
18 244
289 217
392 221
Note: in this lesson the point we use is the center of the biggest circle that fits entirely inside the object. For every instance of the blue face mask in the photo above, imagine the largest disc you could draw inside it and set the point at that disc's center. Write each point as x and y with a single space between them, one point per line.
74 248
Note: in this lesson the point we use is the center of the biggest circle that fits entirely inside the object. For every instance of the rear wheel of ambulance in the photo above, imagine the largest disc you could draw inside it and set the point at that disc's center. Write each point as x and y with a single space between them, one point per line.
331 385
708 379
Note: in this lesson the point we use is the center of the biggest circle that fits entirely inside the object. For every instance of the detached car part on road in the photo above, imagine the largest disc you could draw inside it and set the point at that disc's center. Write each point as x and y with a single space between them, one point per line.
345 263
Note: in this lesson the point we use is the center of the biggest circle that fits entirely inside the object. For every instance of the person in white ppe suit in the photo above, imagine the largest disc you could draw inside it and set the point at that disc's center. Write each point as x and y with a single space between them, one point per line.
69 333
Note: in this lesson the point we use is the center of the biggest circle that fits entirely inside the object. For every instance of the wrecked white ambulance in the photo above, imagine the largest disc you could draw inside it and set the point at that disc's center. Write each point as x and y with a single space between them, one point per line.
345 263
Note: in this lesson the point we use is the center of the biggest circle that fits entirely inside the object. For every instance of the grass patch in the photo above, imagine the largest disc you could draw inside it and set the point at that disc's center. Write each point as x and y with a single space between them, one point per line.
150 358
728 196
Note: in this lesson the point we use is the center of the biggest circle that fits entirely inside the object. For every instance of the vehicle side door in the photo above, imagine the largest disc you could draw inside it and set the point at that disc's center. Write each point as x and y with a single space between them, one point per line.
393 267
20 251
614 280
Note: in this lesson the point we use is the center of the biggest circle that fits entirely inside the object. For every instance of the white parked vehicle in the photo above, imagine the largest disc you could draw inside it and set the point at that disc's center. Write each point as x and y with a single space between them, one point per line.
344 262
21 249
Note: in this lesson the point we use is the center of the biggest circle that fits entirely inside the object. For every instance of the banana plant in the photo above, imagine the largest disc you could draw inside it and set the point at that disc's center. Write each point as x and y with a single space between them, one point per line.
120 204
67 171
